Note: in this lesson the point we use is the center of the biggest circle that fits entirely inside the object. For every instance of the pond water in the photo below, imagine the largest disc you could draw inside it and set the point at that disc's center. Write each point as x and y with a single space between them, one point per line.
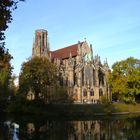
38 128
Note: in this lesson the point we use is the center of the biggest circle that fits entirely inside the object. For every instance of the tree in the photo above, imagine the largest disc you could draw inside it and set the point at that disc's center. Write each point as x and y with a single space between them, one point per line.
125 80
5 71
5 75
6 8
59 94
37 75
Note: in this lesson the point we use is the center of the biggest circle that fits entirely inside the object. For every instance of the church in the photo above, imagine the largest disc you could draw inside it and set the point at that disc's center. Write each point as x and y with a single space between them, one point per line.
84 75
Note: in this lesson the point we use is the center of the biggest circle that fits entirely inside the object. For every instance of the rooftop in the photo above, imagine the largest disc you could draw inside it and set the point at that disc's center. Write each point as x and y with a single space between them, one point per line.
65 52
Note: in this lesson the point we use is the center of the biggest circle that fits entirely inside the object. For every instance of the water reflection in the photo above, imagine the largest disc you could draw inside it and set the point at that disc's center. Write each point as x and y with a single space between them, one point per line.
11 129
103 129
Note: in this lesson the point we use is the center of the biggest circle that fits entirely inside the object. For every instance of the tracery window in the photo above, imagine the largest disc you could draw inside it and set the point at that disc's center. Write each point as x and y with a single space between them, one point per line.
100 92
87 75
85 92
92 93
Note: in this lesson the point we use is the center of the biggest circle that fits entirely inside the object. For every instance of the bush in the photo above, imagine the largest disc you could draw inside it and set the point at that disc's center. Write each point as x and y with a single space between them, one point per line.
60 95
104 100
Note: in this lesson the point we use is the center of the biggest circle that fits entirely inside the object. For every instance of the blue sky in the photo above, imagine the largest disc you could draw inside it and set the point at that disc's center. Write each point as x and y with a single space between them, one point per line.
111 26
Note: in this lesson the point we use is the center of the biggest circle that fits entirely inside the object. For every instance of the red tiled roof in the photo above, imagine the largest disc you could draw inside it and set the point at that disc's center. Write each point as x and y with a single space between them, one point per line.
65 52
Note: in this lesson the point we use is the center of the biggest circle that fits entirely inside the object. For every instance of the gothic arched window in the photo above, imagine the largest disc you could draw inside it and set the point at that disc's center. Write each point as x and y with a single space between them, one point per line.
66 81
100 92
92 93
87 75
85 92
101 77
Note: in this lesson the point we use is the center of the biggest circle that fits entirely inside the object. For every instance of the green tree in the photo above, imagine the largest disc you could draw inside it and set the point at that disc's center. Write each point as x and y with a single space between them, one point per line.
5 75
6 8
37 75
5 71
125 80
59 94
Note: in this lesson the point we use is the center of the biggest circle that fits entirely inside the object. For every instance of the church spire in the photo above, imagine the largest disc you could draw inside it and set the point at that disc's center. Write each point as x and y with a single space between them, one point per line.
91 51
106 62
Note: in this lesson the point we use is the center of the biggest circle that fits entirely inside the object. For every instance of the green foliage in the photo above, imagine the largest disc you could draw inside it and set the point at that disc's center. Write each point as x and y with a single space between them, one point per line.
60 95
37 75
5 71
125 79
21 105
6 8
104 100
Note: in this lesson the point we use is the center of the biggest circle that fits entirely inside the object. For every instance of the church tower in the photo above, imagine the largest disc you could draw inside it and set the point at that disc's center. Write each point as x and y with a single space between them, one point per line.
40 44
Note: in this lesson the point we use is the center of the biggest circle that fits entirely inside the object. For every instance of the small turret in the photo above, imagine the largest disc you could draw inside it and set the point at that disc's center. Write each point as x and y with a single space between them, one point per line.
70 59
91 51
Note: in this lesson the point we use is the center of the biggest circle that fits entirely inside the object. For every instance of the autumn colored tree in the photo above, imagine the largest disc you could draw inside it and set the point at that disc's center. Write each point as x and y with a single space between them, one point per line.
125 80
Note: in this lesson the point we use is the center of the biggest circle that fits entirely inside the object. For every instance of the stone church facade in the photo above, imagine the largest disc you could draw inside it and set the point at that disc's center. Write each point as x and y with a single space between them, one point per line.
84 75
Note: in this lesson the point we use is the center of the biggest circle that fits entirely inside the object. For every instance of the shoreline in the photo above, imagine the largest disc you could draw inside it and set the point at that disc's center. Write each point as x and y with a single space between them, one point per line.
117 113
76 110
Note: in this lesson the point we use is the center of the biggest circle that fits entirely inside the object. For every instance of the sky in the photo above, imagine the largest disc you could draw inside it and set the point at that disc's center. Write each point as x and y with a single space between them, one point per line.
111 26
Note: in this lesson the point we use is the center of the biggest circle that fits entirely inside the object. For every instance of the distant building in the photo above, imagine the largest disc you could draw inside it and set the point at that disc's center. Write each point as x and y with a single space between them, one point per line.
84 75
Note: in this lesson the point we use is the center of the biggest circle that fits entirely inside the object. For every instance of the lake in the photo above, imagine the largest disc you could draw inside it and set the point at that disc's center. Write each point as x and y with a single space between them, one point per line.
20 127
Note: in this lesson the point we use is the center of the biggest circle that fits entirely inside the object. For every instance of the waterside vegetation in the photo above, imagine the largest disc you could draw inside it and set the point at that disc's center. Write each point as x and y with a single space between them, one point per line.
125 80
72 110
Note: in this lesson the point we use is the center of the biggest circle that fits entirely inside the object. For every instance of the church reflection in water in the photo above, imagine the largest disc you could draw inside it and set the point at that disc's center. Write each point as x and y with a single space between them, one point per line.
83 130
74 130
86 130
103 129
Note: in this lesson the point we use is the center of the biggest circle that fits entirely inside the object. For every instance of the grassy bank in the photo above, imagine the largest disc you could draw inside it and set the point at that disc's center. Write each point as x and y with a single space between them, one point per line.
77 110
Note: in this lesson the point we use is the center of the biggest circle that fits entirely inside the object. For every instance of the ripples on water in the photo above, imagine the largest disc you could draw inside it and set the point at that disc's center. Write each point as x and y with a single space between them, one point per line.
28 128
